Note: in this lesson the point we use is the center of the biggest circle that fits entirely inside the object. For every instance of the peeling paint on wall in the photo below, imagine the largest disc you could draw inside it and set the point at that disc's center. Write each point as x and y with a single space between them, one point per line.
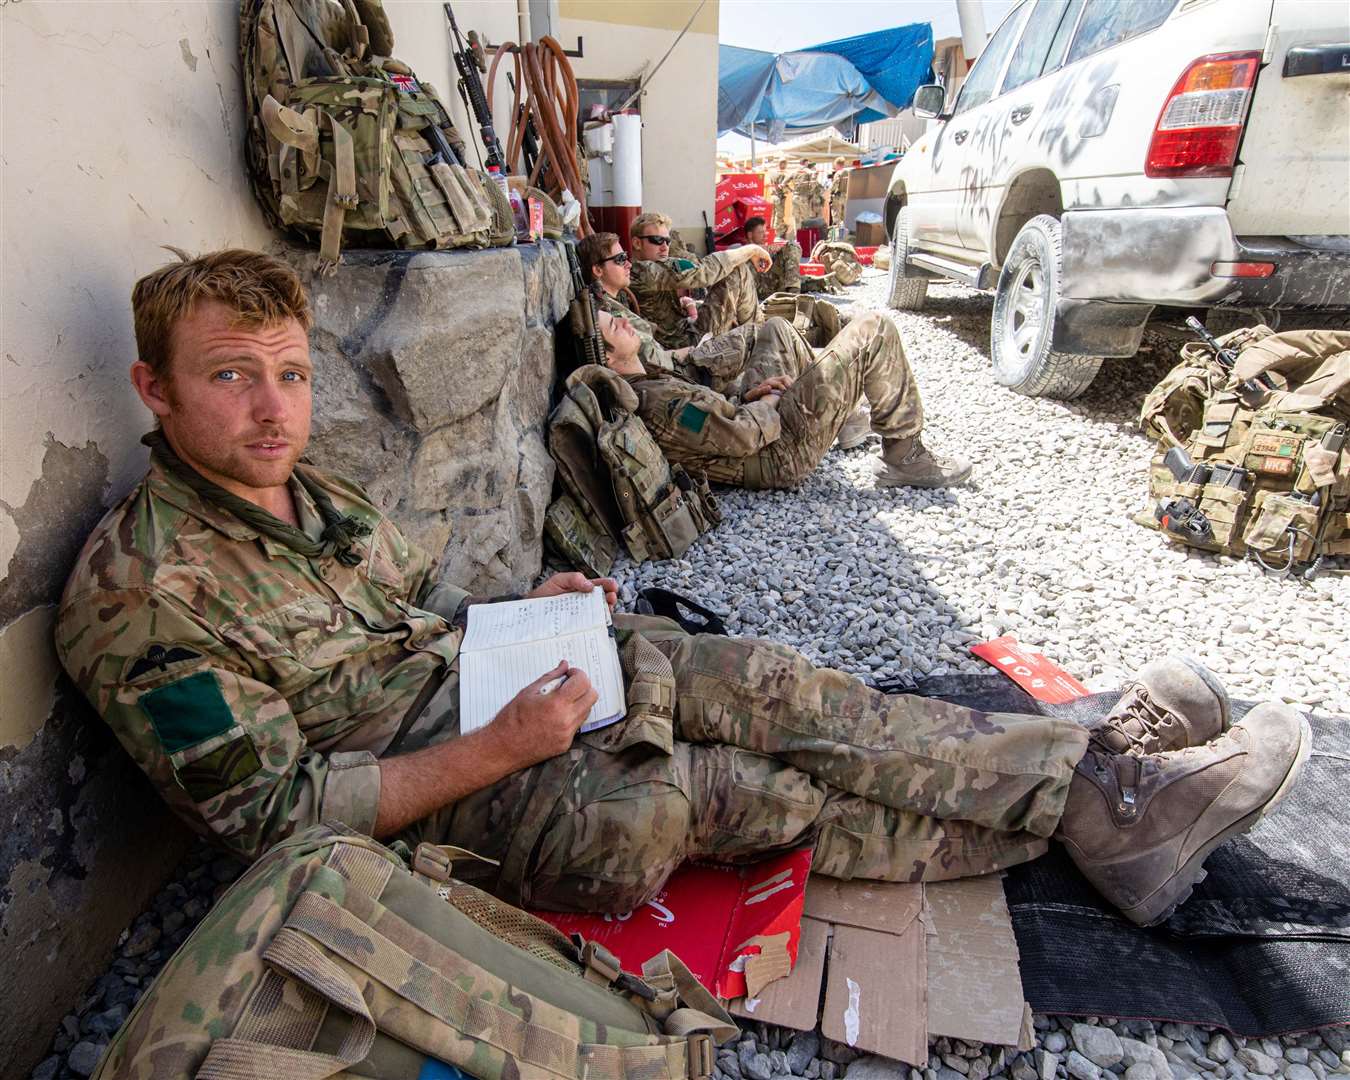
63 505
30 667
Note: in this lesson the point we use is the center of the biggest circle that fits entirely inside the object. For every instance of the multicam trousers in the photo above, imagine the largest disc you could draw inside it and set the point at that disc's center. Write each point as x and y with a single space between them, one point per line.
865 360
785 273
769 753
732 302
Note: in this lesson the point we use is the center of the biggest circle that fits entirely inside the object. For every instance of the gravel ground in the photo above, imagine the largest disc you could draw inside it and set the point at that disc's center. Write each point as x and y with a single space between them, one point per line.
896 582
1039 543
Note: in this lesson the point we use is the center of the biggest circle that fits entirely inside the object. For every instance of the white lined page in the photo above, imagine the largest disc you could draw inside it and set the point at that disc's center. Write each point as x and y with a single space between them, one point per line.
505 651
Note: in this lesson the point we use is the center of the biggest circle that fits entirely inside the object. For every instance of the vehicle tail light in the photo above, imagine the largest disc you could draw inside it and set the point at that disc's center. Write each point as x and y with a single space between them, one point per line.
1242 269
1198 131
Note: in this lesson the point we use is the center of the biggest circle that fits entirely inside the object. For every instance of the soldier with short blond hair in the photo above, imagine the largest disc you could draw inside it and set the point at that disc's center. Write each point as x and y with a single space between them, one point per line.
273 653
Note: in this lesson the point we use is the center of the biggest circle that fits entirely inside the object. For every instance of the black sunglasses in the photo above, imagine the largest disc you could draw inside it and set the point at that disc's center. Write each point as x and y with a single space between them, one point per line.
619 259
664 241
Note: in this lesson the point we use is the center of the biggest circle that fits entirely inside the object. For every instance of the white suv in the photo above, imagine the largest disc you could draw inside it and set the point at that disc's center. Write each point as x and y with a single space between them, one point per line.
1104 156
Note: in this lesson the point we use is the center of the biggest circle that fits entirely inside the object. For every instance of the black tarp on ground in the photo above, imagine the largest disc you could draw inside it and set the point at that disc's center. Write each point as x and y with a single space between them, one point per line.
1261 948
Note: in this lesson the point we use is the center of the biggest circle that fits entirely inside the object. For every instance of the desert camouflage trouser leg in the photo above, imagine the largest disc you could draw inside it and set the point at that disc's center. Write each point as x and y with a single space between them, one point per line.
785 273
772 753
866 360
732 302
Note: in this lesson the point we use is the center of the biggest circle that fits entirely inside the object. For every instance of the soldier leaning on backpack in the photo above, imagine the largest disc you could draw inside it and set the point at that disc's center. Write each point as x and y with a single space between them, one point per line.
792 408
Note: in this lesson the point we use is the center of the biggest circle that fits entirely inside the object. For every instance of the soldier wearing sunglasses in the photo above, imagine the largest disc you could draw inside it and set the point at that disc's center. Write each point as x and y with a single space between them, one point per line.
659 284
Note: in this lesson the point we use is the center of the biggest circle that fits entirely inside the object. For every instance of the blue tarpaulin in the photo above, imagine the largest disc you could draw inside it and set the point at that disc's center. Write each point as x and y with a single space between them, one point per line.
853 80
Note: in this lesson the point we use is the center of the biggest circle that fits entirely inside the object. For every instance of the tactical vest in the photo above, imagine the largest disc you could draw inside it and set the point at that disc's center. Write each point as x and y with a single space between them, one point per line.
331 956
345 144
1281 489
616 483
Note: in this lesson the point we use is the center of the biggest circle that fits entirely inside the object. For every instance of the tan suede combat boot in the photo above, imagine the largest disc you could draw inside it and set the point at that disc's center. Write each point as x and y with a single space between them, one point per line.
855 430
908 463
1140 827
1171 704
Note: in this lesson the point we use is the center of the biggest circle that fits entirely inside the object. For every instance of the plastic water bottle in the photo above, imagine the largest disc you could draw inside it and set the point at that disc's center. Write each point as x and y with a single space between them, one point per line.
499 179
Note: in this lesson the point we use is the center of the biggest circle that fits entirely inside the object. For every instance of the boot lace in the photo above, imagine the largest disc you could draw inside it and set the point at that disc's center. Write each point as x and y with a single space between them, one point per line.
1144 734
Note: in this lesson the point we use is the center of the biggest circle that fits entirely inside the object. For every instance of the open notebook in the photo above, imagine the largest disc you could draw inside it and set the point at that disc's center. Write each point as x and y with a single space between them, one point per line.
509 645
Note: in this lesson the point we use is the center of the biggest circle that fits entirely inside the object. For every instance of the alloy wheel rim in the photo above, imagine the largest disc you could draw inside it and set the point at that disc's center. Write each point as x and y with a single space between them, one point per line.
1024 319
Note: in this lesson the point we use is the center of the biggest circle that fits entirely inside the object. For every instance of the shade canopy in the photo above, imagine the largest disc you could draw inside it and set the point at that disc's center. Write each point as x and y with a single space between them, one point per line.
774 96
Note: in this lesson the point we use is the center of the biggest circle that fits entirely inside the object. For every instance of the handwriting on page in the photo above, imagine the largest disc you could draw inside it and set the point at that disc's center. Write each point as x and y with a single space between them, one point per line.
517 621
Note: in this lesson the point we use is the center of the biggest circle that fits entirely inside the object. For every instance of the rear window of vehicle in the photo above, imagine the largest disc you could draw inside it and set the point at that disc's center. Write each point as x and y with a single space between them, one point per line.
1043 31
1109 22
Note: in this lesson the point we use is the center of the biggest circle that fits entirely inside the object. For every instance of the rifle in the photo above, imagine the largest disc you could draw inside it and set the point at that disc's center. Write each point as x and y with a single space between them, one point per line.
1227 358
469 63
584 313
529 143
708 237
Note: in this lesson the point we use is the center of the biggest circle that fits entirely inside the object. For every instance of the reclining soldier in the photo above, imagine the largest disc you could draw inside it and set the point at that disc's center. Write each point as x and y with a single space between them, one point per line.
273 653
661 285
793 406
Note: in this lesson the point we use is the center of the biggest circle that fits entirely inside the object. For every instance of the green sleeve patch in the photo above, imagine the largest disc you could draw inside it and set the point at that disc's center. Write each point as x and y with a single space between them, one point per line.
219 770
693 418
188 711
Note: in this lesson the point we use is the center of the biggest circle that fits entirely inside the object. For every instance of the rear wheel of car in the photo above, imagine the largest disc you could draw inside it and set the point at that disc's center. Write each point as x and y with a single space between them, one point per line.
906 293
1024 319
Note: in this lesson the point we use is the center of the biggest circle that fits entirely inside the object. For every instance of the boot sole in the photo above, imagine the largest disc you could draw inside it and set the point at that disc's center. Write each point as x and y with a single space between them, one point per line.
951 481
1177 890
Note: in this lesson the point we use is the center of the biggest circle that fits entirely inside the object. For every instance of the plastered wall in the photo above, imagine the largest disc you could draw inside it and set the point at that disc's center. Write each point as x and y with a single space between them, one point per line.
679 108
122 131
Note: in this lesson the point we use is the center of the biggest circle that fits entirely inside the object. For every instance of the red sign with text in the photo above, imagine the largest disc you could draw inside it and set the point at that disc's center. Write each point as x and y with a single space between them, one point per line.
1041 678
710 917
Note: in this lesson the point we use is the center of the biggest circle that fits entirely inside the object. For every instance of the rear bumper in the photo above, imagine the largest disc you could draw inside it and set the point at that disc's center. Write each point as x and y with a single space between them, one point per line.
1165 256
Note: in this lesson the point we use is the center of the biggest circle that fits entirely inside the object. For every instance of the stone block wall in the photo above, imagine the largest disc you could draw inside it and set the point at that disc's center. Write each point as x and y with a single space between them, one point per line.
432 379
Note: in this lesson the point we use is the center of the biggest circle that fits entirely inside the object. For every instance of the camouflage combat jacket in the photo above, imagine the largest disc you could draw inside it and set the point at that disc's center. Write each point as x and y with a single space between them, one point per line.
701 429
657 286
649 352
256 687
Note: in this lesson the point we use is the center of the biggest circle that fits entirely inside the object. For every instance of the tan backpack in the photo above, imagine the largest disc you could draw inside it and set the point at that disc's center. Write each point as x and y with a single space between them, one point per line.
331 956
346 145
616 482
1270 469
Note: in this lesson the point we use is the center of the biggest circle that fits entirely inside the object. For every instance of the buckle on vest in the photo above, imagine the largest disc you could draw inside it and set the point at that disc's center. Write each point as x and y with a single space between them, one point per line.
430 861
700 1056
603 966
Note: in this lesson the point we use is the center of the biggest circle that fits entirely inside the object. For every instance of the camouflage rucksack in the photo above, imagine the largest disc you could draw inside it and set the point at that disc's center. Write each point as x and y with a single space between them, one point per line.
816 320
346 145
329 956
1272 468
617 484
840 259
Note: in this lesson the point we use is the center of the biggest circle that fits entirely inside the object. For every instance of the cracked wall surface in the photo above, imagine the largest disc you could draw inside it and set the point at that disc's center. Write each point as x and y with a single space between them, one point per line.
123 126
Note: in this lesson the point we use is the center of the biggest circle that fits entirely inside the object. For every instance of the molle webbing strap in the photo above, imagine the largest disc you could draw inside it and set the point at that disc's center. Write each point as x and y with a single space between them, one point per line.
397 977
341 176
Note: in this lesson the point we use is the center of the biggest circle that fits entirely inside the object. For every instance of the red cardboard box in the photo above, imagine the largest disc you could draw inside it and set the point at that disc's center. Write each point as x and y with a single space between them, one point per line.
736 927
735 186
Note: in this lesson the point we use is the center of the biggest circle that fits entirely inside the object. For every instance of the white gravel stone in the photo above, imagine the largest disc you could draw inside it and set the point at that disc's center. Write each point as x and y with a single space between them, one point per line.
1294 1071
1258 1061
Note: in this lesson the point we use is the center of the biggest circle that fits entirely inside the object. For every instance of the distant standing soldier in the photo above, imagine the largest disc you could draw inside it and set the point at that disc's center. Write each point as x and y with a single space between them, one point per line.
808 197
839 191
777 192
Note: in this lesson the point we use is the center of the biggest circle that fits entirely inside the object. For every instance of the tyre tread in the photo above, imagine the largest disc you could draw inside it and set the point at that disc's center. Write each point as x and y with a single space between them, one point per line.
907 293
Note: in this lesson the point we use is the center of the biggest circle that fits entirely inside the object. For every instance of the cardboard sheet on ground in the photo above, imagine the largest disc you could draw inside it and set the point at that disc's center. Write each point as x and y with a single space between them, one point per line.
887 965
735 927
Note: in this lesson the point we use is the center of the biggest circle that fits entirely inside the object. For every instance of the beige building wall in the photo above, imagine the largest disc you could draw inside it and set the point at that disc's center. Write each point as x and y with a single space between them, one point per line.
123 131
679 108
